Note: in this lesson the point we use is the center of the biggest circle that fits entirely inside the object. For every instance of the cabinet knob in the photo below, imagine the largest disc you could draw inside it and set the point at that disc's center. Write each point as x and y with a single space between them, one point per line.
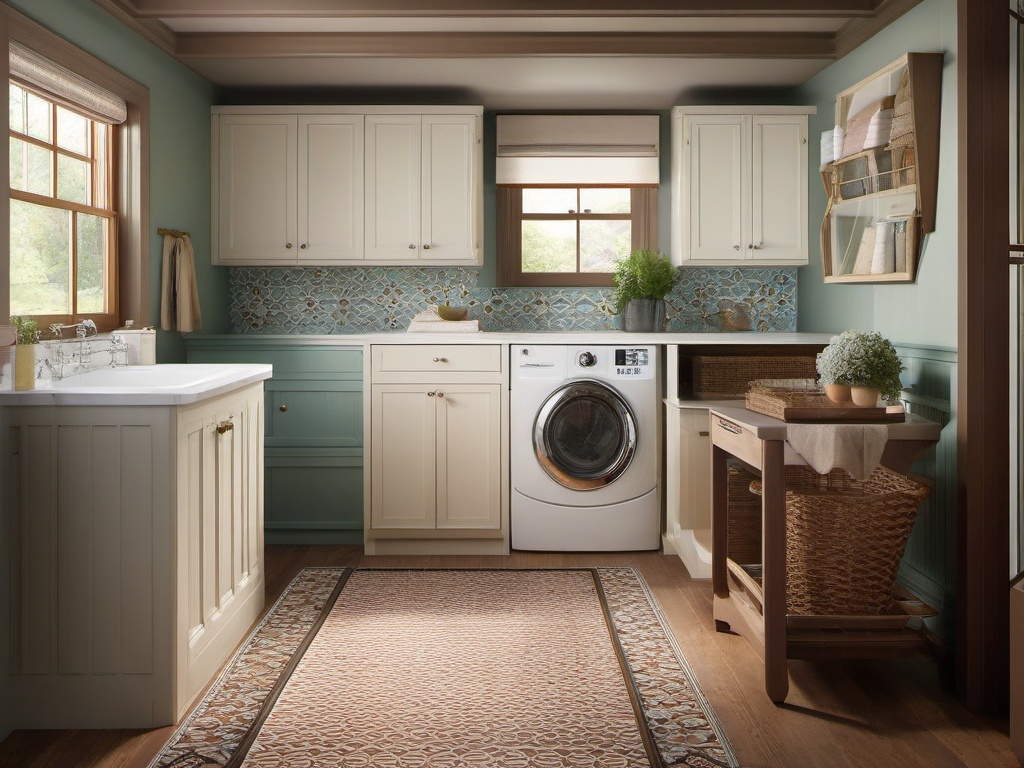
754 247
224 426
431 394
412 247
287 245
303 246
735 247
282 408
440 359
440 394
426 246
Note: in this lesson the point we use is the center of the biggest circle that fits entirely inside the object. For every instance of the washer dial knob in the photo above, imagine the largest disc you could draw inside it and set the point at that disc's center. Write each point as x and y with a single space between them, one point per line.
587 359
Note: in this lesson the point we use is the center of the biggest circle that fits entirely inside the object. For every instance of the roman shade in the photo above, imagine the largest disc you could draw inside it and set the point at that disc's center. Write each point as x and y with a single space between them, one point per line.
64 86
577 149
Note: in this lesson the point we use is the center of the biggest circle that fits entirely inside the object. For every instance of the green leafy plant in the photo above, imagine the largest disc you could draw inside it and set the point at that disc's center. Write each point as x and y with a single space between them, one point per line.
644 274
26 329
859 358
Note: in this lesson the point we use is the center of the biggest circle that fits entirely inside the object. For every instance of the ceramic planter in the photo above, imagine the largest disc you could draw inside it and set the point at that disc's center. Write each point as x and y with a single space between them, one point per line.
24 367
838 393
865 396
644 315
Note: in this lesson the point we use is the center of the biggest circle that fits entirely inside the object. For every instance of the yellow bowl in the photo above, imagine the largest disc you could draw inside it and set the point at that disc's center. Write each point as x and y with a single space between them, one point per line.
446 312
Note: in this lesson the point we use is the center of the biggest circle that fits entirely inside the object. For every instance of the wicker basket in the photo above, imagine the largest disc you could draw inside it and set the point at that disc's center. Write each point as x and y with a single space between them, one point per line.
845 539
713 377
744 529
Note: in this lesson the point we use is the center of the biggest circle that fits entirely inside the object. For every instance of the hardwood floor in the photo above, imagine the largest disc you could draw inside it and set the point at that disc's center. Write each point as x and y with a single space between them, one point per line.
855 713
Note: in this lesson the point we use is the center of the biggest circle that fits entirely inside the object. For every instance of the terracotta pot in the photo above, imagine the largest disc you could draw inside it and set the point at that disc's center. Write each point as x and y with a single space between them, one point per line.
24 367
865 396
838 393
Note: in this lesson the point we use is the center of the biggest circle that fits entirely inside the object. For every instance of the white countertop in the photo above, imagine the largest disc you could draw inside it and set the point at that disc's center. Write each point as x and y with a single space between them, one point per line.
501 337
172 384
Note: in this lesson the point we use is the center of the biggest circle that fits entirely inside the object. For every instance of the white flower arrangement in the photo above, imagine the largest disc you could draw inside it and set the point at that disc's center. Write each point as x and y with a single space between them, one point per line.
859 358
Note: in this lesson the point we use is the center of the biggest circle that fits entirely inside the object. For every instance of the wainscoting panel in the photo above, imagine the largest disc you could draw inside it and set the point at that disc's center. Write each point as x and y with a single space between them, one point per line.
929 566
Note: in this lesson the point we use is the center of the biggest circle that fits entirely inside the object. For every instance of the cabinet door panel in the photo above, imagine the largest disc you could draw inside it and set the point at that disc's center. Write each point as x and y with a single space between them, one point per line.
718 187
779 203
392 228
256 193
314 492
469 456
448 189
315 413
330 187
402 474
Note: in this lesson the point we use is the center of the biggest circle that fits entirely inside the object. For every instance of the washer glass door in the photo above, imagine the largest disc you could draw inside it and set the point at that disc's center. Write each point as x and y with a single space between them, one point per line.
585 435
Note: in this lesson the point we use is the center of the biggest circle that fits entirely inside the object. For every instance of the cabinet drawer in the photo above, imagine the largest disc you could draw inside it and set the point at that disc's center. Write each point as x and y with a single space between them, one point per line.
317 413
737 440
436 358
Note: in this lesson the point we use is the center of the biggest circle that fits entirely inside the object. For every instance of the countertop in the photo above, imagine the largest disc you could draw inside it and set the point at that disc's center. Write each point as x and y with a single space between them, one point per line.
581 338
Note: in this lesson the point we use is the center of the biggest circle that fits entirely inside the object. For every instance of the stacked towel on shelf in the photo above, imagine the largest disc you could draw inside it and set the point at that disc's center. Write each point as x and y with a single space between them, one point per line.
883 257
871 127
831 146
428 321
900 246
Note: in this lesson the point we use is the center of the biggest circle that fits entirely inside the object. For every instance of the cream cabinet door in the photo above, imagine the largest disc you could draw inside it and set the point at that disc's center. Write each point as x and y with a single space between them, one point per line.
392 226
330 184
718 188
468 456
255 194
448 189
779 188
403 456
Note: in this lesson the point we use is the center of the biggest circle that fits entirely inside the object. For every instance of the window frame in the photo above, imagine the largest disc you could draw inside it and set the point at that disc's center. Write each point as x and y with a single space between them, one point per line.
643 218
111 318
131 163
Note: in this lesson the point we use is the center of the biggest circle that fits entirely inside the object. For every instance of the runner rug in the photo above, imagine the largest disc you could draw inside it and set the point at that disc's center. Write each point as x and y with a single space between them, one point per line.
382 668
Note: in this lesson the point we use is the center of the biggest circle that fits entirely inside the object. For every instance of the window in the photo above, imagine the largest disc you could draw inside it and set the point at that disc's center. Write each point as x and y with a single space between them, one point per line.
63 222
571 235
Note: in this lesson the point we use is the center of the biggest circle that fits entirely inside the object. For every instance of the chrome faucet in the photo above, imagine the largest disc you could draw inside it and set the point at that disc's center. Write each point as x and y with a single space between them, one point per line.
83 328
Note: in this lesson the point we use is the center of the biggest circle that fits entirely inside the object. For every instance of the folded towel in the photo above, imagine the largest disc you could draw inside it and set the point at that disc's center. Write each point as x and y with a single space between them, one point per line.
900 246
857 448
865 252
879 129
428 321
883 257
831 145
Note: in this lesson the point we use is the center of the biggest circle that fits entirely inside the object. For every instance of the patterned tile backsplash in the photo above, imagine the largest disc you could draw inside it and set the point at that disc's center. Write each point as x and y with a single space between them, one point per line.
327 300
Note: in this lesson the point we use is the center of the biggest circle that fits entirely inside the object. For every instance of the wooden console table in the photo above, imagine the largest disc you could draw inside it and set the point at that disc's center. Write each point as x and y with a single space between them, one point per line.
756 608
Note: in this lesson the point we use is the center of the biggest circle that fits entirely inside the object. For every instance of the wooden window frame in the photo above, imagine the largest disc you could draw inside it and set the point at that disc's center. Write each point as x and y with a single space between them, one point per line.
105 209
131 164
643 215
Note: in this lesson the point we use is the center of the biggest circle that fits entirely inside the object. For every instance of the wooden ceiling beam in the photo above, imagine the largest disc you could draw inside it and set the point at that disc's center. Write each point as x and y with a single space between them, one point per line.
491 45
858 31
499 8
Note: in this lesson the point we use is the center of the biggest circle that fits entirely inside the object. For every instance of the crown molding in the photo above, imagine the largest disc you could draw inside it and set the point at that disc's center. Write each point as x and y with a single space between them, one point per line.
858 31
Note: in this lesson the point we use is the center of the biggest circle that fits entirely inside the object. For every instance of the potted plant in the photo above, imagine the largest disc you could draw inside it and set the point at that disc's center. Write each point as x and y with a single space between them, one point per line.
860 366
642 281
26 332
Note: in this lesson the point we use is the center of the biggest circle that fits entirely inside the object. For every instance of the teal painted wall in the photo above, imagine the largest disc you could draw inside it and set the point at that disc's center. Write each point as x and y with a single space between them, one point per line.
179 158
923 313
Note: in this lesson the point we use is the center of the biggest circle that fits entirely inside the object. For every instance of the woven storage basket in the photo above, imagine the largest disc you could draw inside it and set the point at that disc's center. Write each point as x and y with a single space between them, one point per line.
845 539
744 530
724 376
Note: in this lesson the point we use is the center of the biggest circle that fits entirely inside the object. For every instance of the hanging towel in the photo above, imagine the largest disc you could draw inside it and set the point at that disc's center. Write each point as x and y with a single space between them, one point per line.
883 259
857 448
179 294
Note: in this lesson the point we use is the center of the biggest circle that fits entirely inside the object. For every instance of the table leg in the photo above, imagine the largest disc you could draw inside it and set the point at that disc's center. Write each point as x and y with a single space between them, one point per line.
773 521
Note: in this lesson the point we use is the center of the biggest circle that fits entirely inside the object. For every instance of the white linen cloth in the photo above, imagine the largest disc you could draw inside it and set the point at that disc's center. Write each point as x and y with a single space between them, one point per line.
883 258
831 145
429 321
857 448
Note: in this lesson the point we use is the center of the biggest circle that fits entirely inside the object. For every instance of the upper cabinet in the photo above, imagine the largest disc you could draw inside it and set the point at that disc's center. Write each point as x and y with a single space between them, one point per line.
739 181
422 188
347 185
880 171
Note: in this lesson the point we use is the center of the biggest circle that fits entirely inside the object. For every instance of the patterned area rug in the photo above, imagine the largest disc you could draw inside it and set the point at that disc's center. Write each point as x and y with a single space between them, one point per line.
392 668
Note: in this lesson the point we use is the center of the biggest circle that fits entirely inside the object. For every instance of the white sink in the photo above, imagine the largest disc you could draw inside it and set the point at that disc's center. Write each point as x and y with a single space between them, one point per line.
170 384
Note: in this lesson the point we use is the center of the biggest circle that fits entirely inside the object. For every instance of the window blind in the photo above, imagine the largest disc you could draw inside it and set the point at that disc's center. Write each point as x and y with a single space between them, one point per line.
64 86
577 149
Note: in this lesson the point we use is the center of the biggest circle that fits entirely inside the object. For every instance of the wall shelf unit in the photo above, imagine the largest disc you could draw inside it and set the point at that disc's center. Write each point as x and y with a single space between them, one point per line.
883 181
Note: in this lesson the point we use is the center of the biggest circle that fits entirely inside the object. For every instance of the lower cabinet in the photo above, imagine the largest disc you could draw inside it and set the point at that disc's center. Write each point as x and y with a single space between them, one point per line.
314 434
438 456
136 555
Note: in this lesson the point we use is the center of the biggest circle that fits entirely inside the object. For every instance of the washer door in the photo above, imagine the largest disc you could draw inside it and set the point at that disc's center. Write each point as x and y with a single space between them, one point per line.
585 435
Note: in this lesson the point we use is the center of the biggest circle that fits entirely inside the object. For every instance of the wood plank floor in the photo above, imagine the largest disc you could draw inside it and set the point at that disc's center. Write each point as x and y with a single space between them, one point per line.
856 713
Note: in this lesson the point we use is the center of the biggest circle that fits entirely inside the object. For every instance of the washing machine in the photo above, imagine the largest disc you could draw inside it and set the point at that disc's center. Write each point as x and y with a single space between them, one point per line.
585 440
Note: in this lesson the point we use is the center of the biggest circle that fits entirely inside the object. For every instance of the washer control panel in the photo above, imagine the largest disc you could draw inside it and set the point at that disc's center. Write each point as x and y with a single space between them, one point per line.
633 362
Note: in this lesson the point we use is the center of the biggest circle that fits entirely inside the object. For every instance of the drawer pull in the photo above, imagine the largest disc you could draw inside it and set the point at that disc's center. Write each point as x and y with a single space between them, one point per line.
224 426
282 408
728 426
440 359
703 433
